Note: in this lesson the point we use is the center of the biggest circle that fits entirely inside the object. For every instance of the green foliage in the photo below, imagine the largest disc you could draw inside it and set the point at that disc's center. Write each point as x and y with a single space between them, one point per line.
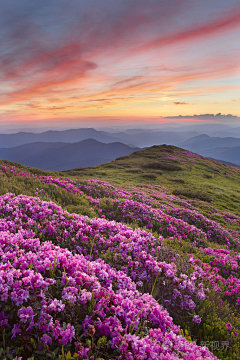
212 329
206 176
167 165
181 181
111 165
149 175
123 157
133 170
192 194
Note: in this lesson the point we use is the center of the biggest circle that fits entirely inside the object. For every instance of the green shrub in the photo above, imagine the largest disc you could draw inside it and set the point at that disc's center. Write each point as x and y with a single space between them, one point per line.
192 194
123 157
177 180
149 175
167 165
111 165
124 165
206 176
133 170
211 169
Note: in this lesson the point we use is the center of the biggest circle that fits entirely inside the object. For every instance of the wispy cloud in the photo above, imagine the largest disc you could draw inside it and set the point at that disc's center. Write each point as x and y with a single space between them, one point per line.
84 56
181 103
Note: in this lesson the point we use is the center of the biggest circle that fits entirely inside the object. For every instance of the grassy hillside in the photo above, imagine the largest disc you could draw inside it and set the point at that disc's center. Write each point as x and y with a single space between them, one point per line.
144 264
182 172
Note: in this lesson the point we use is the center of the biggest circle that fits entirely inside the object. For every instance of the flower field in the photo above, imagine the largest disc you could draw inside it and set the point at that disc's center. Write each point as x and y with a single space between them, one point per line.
90 270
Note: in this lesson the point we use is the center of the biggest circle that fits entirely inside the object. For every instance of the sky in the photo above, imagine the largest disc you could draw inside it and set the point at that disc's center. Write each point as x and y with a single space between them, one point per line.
85 63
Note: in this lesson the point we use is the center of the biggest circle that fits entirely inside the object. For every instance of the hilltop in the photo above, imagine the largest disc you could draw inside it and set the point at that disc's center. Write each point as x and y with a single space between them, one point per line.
182 172
135 258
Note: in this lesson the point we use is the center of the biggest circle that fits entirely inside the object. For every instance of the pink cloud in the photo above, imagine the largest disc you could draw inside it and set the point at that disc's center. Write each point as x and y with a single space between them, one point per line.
181 103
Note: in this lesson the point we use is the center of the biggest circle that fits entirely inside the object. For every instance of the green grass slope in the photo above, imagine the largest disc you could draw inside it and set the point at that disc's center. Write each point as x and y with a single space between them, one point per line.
184 173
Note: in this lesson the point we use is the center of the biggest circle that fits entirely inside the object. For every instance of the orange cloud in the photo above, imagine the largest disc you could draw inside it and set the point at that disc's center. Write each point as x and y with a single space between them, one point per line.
181 103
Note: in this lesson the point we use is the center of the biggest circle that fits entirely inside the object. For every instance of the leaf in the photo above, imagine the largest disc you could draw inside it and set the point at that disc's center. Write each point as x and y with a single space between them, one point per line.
68 356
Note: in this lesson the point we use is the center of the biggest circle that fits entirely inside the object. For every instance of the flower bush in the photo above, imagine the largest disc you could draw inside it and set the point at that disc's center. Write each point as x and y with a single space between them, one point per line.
52 298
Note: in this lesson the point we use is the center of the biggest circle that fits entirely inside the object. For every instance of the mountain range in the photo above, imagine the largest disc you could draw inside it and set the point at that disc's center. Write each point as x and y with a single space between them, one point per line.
61 150
227 149
139 137
63 156
66 136
226 154
205 142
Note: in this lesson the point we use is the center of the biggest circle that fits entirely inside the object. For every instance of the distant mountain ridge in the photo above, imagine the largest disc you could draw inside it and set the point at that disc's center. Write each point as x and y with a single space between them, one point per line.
227 154
205 142
63 156
138 137
43 147
226 149
67 136
150 138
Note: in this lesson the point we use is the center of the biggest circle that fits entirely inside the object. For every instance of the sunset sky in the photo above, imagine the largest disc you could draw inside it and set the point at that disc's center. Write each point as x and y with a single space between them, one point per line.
87 62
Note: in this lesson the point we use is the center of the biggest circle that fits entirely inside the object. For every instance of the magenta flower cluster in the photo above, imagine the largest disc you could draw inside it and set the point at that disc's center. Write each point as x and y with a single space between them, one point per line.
51 295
